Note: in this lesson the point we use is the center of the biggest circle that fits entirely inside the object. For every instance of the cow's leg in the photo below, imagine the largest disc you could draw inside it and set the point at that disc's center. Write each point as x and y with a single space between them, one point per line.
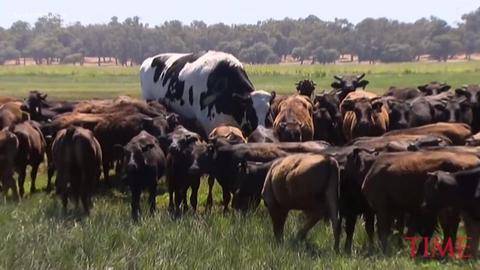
369 218
279 216
152 197
427 221
472 228
179 197
171 192
211 182
384 223
194 196
226 198
449 221
135 203
9 183
86 203
22 171
50 172
312 218
350 221
332 203
106 169
33 176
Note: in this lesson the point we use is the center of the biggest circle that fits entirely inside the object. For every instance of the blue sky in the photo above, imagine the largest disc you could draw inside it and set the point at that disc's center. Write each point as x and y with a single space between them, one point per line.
231 11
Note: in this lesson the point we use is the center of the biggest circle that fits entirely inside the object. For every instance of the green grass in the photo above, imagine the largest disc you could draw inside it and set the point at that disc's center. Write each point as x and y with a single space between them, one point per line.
37 235
63 82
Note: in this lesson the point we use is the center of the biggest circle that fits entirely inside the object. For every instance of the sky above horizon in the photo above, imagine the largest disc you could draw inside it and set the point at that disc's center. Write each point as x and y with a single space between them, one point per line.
231 11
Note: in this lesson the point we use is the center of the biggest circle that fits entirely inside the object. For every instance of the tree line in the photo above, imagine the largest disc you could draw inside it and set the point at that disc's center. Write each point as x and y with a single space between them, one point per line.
310 39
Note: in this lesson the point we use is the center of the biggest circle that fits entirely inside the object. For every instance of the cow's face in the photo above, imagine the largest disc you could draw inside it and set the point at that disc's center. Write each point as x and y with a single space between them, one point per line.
33 103
471 93
439 189
454 110
346 84
364 111
202 156
290 131
261 104
434 88
134 155
399 114
330 105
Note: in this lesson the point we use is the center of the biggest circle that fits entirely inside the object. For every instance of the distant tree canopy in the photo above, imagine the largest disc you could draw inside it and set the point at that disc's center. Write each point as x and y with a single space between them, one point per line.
129 42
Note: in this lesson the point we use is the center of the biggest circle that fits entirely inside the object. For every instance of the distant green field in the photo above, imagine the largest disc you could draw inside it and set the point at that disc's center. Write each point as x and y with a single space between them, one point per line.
100 82
35 234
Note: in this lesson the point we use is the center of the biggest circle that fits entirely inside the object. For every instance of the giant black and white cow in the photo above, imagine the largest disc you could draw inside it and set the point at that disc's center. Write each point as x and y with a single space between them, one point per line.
211 88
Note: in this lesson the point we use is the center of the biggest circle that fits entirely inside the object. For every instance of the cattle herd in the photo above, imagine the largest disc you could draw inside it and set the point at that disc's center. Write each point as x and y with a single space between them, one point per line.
407 159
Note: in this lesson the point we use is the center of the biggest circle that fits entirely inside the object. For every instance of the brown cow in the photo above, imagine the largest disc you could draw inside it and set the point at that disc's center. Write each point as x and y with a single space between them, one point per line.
458 133
8 151
31 151
395 185
123 104
78 157
11 113
306 182
294 122
363 115
5 99
232 134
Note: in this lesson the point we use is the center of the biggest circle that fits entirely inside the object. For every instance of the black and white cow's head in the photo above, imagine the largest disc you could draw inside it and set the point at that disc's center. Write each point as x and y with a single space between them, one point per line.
229 92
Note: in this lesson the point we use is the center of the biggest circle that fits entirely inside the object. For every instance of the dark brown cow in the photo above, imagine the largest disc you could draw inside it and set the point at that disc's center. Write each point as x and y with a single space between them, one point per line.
294 122
8 151
304 182
395 185
327 119
31 152
458 133
250 179
181 174
120 129
78 158
363 115
144 164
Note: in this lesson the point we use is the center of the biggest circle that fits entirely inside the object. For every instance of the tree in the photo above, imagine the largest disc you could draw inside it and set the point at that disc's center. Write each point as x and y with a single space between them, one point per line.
300 54
444 46
397 53
324 56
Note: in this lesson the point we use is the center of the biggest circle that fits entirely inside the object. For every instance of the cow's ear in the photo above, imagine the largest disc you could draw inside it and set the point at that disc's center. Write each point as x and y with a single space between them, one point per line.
147 122
273 95
336 85
422 88
462 92
348 105
377 106
43 97
164 141
363 84
445 88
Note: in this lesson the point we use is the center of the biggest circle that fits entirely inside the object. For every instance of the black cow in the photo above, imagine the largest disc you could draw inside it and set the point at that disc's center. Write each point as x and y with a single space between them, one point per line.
408 93
327 119
472 93
460 190
144 164
348 83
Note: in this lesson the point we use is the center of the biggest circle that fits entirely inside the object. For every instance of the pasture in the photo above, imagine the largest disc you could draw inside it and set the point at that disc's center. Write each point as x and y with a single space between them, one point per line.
37 235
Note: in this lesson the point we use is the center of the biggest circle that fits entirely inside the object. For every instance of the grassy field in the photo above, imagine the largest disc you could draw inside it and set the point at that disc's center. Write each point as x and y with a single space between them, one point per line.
37 235
98 82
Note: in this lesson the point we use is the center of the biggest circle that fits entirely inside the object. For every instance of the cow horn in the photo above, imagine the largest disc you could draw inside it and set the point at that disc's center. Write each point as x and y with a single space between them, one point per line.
359 77
337 77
